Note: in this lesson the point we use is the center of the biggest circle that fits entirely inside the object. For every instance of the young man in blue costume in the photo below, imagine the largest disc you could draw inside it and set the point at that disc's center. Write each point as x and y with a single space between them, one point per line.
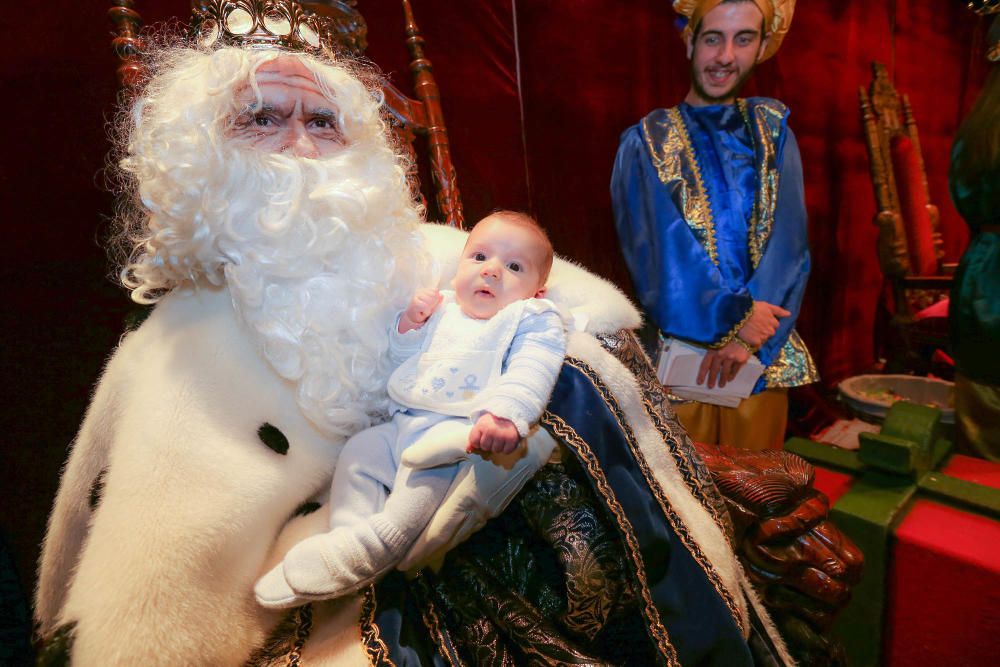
710 212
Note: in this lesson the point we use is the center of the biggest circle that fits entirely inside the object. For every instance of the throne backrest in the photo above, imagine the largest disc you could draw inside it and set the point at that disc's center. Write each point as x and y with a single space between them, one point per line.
909 241
408 118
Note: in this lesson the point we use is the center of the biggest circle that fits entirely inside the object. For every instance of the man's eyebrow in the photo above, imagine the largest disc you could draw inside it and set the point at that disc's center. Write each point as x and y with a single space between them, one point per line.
324 112
745 31
254 107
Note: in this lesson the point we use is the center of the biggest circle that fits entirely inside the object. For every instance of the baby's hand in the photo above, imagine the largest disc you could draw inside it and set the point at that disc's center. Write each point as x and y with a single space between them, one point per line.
421 307
493 434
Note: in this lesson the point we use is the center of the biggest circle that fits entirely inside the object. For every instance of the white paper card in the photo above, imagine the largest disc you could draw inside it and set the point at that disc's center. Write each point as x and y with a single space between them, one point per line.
678 369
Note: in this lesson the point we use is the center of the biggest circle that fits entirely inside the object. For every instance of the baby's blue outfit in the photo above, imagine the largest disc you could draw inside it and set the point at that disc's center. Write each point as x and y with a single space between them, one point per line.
453 369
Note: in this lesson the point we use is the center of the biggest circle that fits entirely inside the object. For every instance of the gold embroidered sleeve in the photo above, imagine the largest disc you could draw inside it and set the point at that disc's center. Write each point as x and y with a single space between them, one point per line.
732 335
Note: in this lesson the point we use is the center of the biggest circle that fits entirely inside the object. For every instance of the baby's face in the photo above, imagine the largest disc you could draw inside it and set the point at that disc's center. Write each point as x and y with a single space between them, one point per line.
501 263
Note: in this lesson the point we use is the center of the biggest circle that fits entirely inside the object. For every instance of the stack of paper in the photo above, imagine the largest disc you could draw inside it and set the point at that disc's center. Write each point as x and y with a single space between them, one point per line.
678 370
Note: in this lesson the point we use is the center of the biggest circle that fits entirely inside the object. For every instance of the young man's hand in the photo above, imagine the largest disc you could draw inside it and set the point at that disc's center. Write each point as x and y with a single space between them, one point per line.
721 366
763 323
493 434
422 306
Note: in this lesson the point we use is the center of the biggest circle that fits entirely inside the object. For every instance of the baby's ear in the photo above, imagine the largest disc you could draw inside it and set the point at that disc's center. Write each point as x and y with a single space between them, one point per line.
541 291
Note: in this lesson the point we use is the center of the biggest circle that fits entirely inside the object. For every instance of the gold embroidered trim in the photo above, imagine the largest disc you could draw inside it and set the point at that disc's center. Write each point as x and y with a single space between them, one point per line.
728 338
767 119
675 521
793 367
686 469
303 626
627 349
568 435
444 643
666 159
378 652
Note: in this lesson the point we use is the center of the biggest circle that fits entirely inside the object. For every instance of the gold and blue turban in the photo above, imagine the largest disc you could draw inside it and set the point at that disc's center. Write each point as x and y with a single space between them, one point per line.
777 18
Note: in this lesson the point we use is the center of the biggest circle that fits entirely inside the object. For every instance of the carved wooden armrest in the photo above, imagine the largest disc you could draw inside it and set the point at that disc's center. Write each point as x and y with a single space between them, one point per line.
802 565
800 562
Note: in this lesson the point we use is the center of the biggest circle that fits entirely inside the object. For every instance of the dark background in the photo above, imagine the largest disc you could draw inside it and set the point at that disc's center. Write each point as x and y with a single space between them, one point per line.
535 94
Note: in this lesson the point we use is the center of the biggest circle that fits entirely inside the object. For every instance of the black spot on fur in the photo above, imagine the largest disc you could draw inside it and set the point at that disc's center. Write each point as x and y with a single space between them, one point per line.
135 317
306 508
96 489
273 438
54 652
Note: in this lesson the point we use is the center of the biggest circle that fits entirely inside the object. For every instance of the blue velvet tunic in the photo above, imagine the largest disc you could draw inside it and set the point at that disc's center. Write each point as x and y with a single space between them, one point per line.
710 212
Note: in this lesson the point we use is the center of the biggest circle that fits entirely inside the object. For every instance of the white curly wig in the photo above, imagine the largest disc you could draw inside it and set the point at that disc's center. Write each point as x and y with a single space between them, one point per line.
318 254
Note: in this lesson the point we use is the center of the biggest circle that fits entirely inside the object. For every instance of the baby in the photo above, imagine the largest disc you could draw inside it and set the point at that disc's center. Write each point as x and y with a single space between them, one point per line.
477 369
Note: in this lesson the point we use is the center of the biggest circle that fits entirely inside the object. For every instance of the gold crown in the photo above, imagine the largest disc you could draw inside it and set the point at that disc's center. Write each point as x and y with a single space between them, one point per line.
263 24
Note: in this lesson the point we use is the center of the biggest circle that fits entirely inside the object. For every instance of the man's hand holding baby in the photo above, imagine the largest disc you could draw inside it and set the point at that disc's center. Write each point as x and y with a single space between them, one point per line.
422 306
493 434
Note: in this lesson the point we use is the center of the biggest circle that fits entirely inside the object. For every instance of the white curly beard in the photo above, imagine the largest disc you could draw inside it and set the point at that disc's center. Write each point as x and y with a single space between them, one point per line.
320 255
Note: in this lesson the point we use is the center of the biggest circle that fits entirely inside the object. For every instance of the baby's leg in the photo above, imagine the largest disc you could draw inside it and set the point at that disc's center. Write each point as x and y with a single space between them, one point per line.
364 475
351 556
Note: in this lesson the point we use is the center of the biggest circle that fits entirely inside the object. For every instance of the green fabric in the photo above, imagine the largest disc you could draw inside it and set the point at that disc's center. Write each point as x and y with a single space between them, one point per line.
975 294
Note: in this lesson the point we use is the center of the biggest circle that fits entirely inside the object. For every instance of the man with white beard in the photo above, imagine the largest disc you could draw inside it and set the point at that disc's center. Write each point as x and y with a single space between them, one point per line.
273 227
274 230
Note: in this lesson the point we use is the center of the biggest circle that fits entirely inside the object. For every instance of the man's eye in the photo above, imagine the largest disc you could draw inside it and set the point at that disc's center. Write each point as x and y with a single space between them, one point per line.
323 123
262 121
515 267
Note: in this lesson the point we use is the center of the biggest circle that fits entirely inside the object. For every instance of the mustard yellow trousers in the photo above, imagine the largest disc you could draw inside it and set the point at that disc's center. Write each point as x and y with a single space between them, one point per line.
757 423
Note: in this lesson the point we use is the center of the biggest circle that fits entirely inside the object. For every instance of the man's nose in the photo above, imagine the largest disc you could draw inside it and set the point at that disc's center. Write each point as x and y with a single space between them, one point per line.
727 53
302 144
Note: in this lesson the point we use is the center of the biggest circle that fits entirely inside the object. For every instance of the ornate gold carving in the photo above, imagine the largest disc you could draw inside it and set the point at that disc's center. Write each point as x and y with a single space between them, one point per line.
886 114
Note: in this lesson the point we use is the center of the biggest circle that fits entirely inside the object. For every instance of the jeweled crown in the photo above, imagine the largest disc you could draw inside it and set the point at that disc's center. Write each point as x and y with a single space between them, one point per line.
266 24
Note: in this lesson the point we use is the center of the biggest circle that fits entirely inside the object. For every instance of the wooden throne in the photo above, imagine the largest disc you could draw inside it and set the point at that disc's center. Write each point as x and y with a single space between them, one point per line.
803 566
909 243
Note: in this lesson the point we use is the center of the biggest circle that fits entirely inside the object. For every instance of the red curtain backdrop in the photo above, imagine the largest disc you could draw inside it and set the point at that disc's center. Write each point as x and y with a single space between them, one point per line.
535 94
